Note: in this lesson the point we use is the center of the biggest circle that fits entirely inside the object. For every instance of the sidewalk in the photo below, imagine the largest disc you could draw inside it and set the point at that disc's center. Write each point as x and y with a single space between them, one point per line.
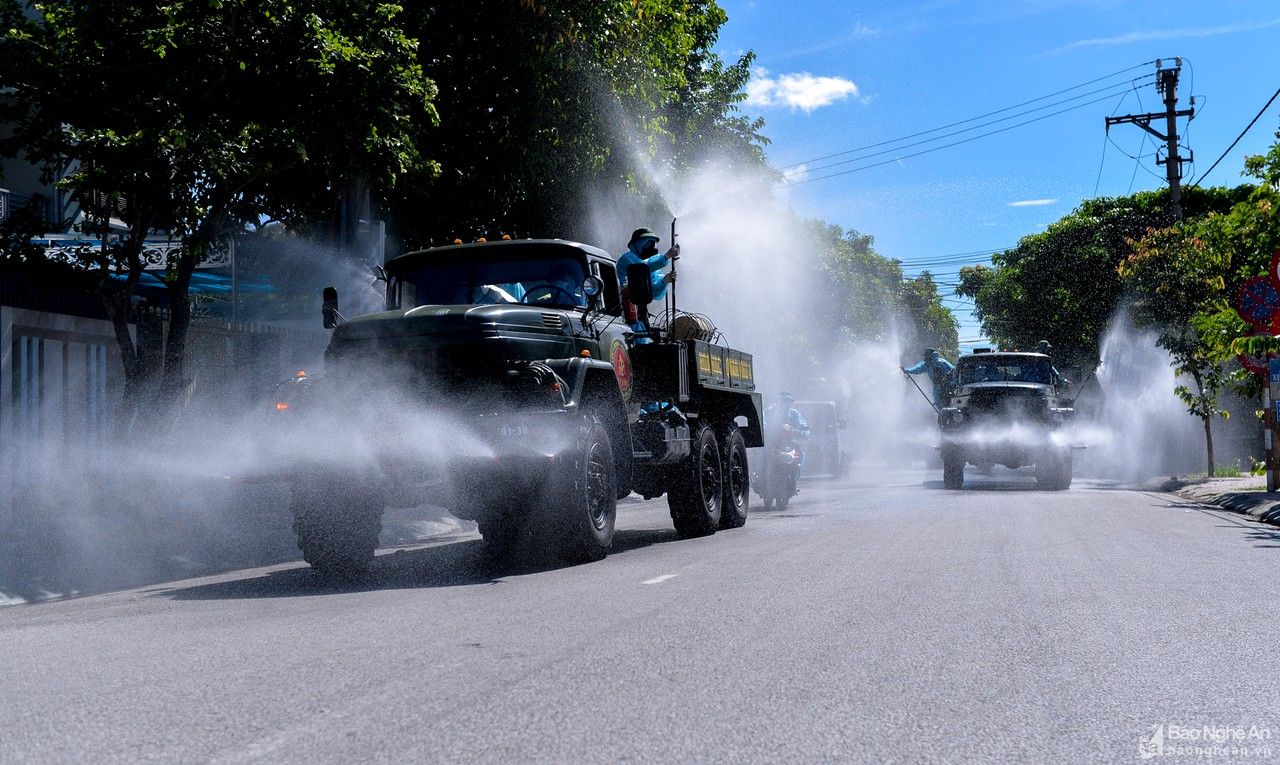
1247 496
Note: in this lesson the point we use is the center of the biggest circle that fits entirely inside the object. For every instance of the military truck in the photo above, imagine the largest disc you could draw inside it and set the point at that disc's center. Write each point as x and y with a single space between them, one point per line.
1006 409
524 344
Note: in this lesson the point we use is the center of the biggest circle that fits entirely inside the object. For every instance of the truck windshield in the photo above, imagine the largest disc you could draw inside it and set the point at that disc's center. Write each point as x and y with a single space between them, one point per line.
543 282
1006 369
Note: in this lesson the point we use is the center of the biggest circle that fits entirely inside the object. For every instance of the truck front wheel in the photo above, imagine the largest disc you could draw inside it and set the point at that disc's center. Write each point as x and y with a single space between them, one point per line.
696 495
1053 471
583 502
953 460
337 525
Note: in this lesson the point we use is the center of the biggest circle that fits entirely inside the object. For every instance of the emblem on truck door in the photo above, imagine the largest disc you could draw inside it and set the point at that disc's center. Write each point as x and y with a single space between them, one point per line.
621 366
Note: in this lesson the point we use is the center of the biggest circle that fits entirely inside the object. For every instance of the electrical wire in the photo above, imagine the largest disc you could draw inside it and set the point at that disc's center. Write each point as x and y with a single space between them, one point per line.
1106 138
1132 84
1252 122
971 119
948 145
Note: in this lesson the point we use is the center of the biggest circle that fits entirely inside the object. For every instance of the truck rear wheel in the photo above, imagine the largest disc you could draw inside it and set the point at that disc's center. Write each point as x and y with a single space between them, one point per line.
583 505
697 491
337 525
952 467
737 480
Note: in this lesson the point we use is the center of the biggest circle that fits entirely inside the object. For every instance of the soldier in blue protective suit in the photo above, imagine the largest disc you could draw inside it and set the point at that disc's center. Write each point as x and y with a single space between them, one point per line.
643 248
940 373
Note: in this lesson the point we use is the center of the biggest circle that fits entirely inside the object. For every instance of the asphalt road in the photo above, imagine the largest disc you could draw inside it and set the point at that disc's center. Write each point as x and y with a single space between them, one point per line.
874 621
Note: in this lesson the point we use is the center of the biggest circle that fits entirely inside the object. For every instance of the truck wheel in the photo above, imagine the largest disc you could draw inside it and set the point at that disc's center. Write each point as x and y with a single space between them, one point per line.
737 481
337 526
584 505
952 467
697 493
1053 473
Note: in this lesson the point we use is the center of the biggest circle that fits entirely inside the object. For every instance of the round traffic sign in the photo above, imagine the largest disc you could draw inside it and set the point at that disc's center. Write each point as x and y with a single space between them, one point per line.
1258 301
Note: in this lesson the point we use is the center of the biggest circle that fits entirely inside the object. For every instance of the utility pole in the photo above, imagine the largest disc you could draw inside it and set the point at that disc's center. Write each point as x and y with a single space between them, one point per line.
1167 84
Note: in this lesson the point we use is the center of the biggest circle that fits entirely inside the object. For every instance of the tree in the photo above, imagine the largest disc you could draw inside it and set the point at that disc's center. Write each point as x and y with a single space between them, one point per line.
869 300
202 116
1062 285
934 324
1179 288
545 105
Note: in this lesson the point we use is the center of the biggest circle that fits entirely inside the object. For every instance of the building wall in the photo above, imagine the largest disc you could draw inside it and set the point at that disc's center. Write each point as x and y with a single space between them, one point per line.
58 377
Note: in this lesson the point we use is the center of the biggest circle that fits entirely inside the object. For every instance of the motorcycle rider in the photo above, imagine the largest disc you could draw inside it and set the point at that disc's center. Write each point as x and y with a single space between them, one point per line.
940 372
643 248
794 427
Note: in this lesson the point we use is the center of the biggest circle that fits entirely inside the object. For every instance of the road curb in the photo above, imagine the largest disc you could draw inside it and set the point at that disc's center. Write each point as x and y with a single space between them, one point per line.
1260 505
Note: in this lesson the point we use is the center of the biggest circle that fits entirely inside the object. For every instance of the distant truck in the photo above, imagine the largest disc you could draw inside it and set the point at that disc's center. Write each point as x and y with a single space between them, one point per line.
524 343
825 452
1006 410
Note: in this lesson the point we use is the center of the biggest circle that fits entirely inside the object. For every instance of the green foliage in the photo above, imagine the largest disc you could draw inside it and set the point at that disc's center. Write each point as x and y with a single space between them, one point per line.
934 324
545 103
873 301
199 117
1185 275
1063 285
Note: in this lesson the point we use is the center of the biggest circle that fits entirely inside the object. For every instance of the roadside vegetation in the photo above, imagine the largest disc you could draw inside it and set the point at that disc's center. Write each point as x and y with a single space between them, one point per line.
205 120
1179 276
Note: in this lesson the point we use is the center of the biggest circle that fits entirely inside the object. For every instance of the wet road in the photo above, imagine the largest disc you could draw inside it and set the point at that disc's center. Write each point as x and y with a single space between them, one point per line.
872 621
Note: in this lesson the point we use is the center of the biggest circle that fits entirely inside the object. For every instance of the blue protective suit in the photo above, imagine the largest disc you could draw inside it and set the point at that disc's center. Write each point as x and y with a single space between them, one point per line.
656 275
940 374
795 420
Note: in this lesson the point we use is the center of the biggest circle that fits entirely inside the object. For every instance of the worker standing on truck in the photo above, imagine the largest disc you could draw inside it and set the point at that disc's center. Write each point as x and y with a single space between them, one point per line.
643 248
940 373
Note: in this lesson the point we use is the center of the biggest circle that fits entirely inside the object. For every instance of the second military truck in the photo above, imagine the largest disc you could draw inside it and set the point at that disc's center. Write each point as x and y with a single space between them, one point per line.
1006 410
524 344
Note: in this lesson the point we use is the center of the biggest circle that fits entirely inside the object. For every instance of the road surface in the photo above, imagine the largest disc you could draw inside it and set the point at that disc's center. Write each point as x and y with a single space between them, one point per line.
878 619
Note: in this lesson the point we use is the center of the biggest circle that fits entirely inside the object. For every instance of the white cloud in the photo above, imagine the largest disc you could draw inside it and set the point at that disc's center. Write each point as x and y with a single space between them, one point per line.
802 91
1033 203
1148 35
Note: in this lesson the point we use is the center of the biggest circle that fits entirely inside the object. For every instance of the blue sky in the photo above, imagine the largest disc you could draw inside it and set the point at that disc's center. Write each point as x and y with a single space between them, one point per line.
835 76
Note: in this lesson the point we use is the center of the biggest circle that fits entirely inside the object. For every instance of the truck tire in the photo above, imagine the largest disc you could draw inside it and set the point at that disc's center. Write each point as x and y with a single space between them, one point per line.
1053 473
952 467
737 480
337 525
696 495
582 506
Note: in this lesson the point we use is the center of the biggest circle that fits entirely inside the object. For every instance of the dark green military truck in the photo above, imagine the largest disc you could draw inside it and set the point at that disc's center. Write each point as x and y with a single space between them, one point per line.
523 346
1006 409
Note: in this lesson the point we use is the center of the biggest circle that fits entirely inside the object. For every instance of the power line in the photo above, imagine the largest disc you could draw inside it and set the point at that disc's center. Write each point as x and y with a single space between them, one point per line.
971 119
1252 122
1128 86
948 145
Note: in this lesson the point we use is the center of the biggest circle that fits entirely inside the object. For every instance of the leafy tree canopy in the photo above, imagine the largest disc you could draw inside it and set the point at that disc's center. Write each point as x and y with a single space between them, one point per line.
1062 285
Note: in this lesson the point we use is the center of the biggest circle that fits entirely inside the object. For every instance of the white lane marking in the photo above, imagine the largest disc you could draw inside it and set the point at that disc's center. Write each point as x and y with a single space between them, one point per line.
660 579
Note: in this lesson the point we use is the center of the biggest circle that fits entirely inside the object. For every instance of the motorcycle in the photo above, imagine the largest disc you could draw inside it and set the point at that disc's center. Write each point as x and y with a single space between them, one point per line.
776 481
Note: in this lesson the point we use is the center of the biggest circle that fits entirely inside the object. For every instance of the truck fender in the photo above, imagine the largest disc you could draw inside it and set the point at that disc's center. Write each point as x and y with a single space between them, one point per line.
592 386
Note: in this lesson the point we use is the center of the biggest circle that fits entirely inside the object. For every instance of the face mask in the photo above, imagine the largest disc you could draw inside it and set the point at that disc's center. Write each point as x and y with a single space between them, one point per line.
649 249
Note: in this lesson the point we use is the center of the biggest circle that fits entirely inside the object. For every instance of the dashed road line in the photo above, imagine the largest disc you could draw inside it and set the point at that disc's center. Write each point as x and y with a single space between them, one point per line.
660 579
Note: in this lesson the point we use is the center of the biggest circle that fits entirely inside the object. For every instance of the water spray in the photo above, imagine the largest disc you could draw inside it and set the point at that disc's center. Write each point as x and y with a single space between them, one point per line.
922 393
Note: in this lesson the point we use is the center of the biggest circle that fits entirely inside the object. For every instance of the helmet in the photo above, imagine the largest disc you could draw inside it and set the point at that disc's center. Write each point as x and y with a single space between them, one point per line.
928 352
642 233
1043 346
